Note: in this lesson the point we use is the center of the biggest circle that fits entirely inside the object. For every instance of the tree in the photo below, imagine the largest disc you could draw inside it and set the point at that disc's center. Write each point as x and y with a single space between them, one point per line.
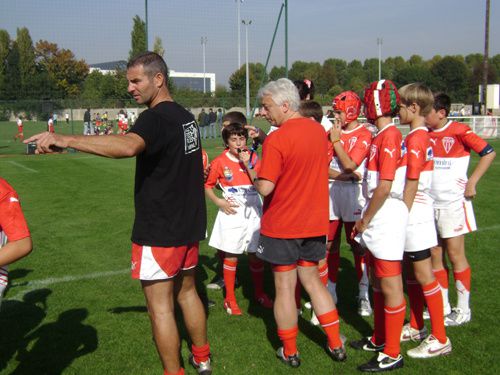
277 72
4 52
415 73
61 66
371 69
158 46
451 76
391 67
305 70
237 81
138 36
27 63
12 77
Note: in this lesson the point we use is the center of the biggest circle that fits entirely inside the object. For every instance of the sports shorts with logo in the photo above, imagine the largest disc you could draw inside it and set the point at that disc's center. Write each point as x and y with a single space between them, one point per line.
285 251
455 219
346 201
160 263
421 230
240 232
385 234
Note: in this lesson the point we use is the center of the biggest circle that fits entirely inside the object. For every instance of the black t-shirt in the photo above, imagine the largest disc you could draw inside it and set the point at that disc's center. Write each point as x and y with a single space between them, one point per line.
169 193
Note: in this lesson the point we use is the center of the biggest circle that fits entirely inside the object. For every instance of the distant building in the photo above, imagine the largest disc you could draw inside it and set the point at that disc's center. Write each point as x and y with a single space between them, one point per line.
184 80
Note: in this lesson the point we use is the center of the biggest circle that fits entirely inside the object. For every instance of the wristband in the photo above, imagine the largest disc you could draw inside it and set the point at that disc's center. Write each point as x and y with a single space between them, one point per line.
335 141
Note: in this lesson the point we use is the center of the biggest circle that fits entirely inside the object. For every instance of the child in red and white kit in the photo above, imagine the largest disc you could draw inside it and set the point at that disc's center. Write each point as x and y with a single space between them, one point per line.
237 225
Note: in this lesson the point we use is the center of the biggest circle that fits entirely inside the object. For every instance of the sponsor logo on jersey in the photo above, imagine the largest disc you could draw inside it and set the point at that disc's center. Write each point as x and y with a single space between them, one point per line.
390 152
228 174
352 142
448 143
13 199
373 151
430 154
415 152
133 265
433 141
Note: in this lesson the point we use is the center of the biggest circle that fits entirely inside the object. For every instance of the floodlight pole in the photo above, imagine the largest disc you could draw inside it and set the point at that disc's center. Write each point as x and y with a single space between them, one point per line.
247 23
204 40
485 58
238 25
146 4
379 43
286 38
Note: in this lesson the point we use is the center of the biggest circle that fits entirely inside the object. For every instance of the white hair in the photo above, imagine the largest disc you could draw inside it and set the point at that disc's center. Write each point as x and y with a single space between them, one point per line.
281 91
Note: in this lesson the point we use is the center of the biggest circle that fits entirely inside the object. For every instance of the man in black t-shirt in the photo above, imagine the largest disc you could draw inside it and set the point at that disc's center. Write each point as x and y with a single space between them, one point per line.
170 216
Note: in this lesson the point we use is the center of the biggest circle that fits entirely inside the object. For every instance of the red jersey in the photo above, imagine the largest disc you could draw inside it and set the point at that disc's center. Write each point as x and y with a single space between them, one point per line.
419 162
451 146
356 143
13 226
386 162
19 125
50 126
295 160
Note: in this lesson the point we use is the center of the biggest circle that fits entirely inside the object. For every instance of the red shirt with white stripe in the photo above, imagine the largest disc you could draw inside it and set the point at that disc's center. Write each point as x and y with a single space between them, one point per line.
451 146
386 162
419 162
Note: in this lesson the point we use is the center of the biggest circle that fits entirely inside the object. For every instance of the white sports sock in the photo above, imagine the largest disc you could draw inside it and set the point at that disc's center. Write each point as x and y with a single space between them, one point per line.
363 285
462 296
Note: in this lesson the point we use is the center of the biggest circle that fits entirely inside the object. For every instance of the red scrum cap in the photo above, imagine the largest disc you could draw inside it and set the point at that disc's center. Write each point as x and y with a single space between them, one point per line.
348 102
381 99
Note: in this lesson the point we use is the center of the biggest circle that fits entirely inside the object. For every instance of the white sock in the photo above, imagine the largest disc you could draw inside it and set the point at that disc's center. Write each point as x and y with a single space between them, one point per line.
363 285
462 296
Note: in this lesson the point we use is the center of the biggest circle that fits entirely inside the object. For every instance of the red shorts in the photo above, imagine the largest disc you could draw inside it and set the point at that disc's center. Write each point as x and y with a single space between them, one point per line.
160 263
385 268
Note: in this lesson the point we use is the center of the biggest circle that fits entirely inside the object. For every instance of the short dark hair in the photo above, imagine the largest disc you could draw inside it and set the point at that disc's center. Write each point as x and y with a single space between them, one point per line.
310 108
442 101
235 117
233 128
305 87
152 63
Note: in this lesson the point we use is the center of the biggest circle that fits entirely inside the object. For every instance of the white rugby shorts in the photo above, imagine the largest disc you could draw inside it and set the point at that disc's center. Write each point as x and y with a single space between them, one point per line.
386 232
240 232
346 202
421 230
455 219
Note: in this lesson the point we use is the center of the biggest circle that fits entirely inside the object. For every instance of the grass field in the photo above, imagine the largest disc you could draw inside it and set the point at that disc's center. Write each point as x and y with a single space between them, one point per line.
72 307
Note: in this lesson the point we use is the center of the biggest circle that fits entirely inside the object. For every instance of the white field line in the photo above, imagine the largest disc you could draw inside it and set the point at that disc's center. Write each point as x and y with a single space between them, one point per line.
35 284
22 166
493 227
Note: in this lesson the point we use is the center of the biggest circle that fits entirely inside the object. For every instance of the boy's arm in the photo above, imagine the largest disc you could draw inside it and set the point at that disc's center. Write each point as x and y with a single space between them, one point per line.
15 250
223 204
347 163
378 199
479 171
409 192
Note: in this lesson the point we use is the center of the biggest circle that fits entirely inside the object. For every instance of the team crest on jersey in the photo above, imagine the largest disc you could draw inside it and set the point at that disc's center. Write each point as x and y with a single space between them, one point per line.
228 173
191 137
373 151
352 142
448 143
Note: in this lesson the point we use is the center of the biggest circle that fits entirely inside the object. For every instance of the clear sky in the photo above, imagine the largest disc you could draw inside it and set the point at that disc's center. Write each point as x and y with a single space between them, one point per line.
99 30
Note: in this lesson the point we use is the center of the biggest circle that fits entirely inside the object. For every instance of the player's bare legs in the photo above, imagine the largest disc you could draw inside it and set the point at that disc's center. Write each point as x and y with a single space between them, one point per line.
321 300
285 311
191 306
455 249
160 302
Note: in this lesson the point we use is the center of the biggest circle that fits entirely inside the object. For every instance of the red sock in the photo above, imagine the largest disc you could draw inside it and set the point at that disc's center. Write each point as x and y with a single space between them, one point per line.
257 271
394 319
330 323
201 353
333 262
229 278
323 273
464 277
298 295
289 339
180 372
442 277
432 293
359 263
378 337
416 297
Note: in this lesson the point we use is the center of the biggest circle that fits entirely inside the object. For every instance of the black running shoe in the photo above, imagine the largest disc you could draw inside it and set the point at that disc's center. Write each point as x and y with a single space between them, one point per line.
382 362
290 360
338 354
366 344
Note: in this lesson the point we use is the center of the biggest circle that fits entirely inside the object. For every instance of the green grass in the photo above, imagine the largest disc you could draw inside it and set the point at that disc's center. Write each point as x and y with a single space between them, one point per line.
72 307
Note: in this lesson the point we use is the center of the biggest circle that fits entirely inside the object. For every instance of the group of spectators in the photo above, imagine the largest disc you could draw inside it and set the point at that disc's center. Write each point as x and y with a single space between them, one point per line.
210 123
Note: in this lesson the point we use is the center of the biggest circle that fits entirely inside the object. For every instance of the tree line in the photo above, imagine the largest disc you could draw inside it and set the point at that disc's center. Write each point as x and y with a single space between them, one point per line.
42 72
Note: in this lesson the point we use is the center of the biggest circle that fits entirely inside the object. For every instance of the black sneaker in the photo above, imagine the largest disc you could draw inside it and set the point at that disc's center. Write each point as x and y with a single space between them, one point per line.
366 344
382 362
338 354
291 360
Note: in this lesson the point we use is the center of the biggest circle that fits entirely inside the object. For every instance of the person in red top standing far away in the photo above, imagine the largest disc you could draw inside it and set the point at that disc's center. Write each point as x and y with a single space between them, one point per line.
294 182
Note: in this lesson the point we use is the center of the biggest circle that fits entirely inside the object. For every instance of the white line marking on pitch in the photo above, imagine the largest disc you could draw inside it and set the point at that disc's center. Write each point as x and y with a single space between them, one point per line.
35 284
489 228
22 166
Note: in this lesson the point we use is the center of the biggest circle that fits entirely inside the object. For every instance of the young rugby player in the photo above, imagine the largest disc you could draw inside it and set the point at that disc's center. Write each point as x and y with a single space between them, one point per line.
453 193
351 146
15 238
20 133
382 229
416 102
236 228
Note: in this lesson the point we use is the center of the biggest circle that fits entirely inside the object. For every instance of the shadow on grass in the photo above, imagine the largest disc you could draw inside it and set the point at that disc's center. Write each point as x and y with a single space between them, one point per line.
56 345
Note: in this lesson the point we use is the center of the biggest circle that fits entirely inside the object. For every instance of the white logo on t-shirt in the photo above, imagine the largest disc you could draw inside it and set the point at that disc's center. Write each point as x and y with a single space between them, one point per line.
448 143
191 138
